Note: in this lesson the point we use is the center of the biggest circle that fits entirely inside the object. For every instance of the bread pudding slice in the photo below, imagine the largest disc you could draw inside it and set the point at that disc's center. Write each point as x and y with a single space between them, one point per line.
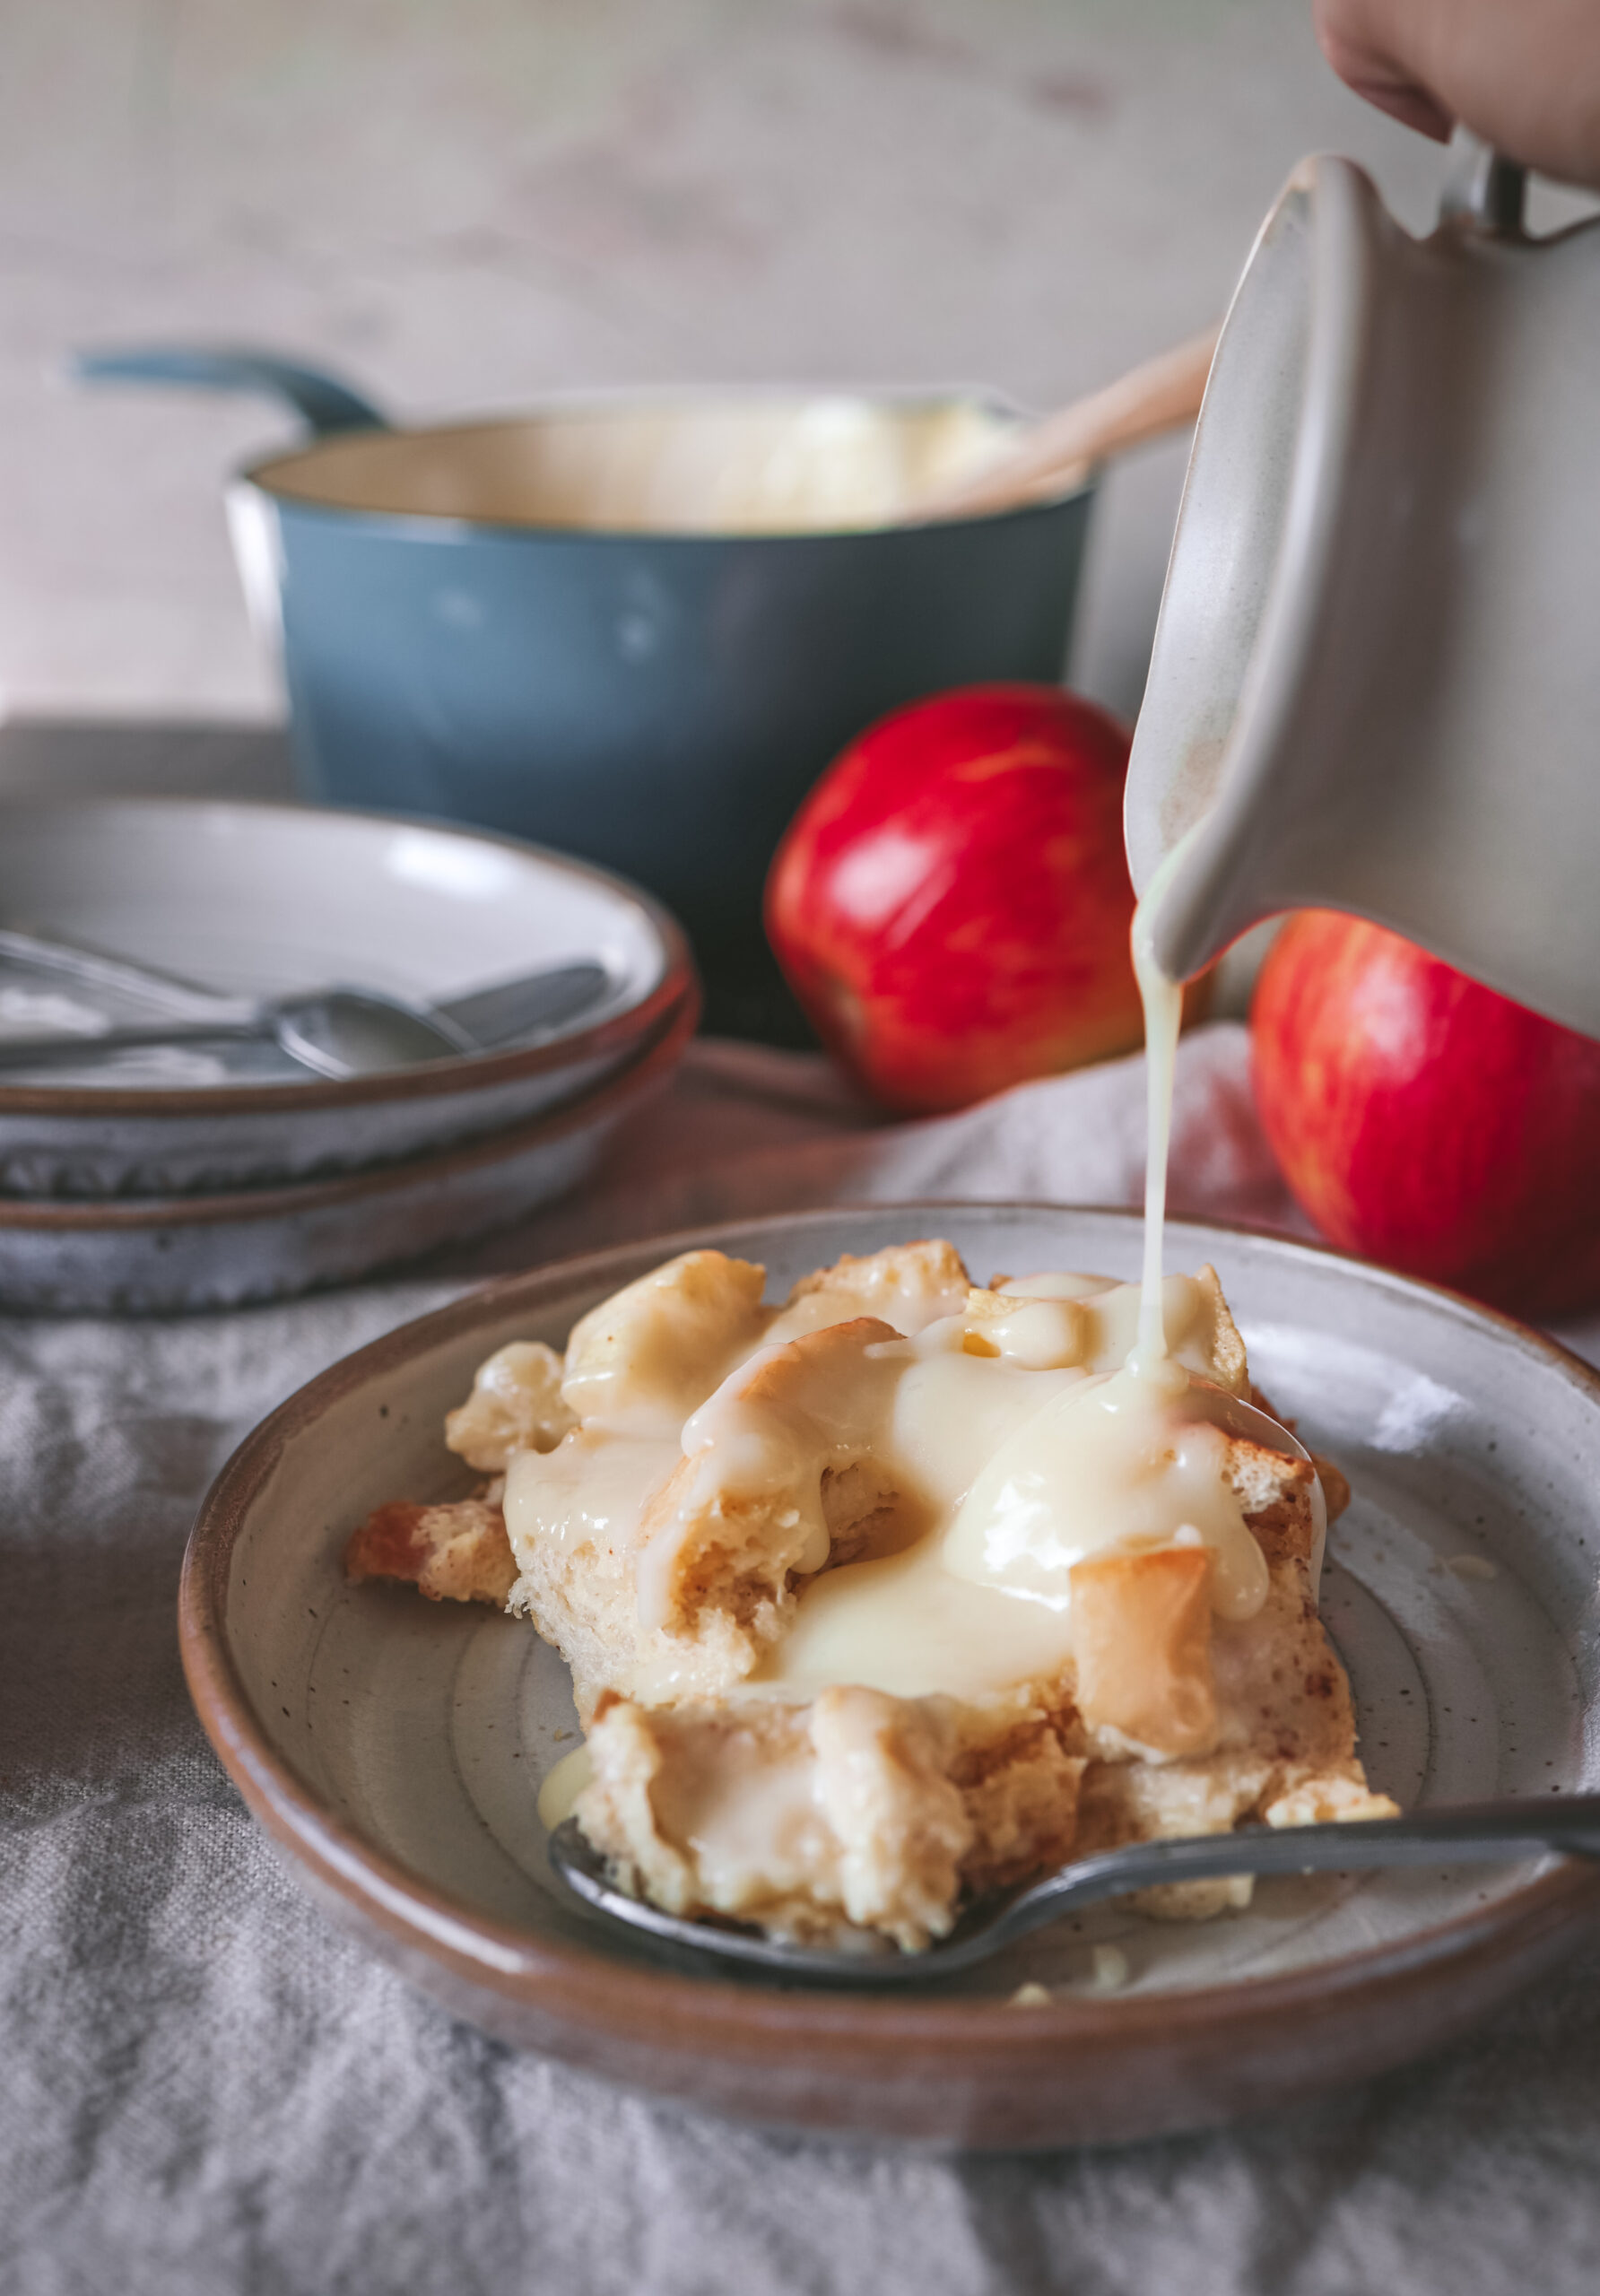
850 1644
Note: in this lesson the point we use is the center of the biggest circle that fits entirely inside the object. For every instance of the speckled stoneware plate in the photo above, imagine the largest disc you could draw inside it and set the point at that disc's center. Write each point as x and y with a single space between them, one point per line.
394 1748
158 1255
267 900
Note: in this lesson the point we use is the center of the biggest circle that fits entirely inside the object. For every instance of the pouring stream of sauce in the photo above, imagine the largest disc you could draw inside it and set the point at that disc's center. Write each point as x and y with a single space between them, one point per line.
1162 1000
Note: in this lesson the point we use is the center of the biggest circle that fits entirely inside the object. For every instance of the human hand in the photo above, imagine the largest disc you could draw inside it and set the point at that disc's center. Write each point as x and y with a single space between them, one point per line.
1524 75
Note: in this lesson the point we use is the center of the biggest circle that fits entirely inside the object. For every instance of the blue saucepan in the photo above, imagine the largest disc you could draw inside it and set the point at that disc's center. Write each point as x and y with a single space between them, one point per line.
634 628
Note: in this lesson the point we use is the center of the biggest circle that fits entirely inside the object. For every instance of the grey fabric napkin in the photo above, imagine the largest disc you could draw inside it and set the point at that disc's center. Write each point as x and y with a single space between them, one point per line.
203 2088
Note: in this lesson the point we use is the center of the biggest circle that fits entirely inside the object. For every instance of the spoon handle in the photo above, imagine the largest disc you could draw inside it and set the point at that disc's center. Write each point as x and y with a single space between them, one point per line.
97 968
1467 1832
28 1052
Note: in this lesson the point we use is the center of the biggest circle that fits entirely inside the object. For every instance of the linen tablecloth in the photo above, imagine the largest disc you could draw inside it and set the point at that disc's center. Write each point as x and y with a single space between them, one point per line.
205 2088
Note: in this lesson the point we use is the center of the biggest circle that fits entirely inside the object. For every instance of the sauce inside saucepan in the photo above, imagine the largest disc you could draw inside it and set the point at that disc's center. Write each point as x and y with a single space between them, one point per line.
704 466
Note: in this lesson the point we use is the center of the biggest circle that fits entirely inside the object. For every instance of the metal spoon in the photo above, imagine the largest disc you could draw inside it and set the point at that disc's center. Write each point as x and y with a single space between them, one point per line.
1473 1831
337 1031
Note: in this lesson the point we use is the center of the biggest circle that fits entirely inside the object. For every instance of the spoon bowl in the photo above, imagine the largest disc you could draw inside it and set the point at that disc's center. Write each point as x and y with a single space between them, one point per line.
361 1031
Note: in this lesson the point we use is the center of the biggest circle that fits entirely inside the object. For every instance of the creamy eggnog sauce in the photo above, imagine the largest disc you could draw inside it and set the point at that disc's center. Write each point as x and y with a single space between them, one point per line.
591 1488
1055 1284
701 464
1020 1474
1015 1446
906 1624
910 1306
562 1785
1039 1424
1109 1467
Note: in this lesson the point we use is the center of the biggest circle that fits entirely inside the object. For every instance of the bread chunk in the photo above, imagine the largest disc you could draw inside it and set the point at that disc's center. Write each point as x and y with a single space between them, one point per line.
808 1819
747 1507
515 1406
855 1810
1141 1640
679 1588
456 1553
907 1285
1219 1335
643 1359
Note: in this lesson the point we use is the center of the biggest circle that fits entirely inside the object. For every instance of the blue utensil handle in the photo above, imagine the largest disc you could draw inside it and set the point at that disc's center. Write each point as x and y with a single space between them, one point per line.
326 403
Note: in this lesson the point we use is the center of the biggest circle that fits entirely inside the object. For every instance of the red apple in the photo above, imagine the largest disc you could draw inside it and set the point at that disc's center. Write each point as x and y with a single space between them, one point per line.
1425 1121
950 904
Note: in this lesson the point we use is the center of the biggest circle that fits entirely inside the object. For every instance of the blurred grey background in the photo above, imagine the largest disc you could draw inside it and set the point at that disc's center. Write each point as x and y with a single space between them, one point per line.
466 203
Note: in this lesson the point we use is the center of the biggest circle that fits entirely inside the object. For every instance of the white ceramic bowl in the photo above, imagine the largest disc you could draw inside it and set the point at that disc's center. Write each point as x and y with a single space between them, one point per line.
269 898
394 1747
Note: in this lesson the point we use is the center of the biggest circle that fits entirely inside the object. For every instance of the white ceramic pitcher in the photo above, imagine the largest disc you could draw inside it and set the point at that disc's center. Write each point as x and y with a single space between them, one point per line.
1376 680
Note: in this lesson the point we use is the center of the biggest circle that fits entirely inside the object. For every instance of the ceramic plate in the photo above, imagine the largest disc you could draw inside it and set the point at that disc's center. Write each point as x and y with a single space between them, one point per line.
266 899
148 1255
394 1748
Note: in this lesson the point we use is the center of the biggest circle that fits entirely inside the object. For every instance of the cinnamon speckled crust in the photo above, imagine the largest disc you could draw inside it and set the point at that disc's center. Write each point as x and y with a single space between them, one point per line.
1274 1493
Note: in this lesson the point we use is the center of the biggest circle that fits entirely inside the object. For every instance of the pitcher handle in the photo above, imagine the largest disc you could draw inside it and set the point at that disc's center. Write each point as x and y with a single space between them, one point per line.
326 403
1484 189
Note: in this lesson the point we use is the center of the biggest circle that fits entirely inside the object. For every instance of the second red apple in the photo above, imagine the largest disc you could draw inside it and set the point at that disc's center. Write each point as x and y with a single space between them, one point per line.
1425 1121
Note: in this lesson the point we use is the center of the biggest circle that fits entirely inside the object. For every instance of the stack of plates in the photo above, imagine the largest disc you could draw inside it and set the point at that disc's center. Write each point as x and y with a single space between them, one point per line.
210 1174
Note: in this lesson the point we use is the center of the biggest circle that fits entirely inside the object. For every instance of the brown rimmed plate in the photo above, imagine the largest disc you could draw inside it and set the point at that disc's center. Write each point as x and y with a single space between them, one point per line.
393 1748
158 1254
267 900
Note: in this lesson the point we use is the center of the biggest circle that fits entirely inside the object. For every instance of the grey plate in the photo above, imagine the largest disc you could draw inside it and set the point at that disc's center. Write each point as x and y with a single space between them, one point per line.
395 1748
148 1255
269 899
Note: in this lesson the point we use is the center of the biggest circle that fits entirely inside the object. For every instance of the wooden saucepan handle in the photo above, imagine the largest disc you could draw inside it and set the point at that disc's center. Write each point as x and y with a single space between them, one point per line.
1161 395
